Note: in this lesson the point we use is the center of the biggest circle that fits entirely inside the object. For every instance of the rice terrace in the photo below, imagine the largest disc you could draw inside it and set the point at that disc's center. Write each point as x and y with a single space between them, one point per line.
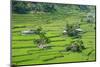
46 33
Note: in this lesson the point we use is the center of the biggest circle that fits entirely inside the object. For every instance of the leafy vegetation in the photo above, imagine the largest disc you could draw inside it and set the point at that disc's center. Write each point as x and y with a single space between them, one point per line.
76 46
43 40
71 30
49 21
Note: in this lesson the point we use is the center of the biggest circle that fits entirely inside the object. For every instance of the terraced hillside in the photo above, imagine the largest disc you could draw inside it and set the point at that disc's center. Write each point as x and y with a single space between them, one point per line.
25 52
46 33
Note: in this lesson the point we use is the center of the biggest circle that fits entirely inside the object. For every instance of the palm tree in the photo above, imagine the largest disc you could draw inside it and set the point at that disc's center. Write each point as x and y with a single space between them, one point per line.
75 46
71 29
43 40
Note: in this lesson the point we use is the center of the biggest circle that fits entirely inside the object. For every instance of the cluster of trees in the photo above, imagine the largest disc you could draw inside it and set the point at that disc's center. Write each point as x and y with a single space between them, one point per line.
20 7
43 40
28 7
76 46
71 30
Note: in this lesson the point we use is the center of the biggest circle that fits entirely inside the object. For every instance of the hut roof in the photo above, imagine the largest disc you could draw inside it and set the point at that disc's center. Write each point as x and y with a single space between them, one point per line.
79 29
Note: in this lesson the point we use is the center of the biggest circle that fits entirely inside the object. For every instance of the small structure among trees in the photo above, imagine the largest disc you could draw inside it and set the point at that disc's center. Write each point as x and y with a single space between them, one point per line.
43 40
25 32
75 46
35 31
72 30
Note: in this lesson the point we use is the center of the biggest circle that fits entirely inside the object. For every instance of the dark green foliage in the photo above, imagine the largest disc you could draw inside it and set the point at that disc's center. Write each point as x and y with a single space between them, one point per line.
49 8
71 30
84 8
43 40
76 46
20 7
38 30
23 7
27 7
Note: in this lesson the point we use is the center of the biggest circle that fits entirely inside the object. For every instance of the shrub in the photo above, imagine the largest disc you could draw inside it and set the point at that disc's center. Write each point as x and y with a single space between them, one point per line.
75 46
43 40
71 30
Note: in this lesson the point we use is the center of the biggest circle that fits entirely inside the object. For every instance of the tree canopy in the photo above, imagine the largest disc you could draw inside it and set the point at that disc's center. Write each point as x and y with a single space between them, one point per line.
23 7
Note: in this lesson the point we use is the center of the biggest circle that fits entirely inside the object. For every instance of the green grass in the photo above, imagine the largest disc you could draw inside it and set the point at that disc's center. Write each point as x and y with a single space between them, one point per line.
53 24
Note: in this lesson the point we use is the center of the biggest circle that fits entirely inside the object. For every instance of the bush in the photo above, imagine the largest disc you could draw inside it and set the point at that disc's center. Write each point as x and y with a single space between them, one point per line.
71 30
75 46
20 7
43 40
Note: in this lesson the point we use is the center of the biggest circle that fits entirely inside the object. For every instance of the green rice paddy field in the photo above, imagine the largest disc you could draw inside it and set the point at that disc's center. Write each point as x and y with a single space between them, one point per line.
25 52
